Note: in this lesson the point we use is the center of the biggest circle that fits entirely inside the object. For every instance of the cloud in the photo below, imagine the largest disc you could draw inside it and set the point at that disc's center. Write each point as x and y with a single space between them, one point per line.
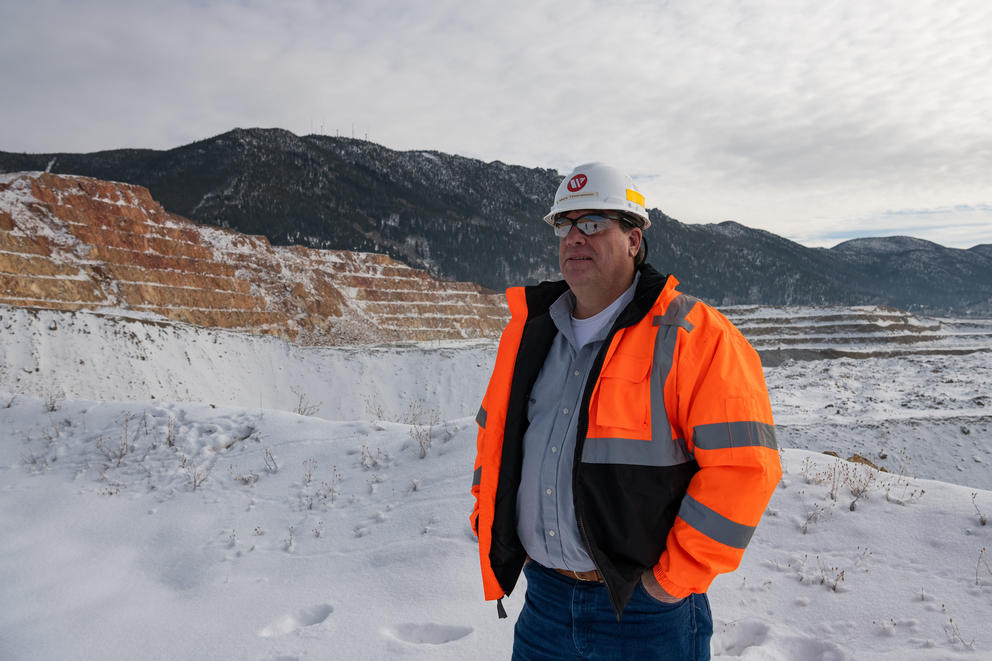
793 117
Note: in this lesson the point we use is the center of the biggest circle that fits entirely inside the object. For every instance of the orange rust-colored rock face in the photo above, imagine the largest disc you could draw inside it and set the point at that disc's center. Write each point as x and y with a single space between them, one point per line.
74 243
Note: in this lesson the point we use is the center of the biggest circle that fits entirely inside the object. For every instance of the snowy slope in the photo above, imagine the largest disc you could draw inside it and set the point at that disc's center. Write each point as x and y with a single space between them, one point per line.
892 406
111 357
213 522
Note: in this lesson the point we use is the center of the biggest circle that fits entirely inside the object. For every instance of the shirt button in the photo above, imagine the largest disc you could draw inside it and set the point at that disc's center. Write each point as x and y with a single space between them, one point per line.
554 449
576 373
548 491
551 533
565 411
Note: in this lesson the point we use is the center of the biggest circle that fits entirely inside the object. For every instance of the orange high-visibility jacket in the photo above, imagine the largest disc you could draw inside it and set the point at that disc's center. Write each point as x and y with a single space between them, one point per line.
676 457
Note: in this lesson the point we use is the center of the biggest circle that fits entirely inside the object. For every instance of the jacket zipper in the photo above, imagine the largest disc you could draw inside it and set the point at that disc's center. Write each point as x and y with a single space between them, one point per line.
576 466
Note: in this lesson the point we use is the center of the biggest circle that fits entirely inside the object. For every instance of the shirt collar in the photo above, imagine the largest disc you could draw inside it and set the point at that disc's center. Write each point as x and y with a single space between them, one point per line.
561 312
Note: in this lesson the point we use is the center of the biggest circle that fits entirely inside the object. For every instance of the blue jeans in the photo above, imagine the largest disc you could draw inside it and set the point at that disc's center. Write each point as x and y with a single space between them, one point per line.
567 619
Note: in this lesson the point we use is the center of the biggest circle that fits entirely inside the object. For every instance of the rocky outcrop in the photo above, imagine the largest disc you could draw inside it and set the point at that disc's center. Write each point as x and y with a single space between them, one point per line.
70 243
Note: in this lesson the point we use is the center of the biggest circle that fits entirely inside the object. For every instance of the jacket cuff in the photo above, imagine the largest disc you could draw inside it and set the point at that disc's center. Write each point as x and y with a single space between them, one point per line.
671 588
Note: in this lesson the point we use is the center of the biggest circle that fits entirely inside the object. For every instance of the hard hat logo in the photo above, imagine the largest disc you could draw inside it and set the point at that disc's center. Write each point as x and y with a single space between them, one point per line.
577 182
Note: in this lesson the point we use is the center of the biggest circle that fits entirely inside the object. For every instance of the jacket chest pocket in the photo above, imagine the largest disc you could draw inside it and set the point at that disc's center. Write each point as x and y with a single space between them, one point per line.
622 400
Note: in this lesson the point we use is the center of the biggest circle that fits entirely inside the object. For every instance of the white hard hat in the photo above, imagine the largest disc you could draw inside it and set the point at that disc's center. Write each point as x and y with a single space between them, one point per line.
598 186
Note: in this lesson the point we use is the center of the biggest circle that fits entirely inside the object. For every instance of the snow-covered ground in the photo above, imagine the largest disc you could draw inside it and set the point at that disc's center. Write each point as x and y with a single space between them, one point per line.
165 495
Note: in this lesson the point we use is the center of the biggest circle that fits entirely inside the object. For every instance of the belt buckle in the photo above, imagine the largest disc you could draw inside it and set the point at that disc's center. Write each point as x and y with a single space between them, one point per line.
592 576
586 576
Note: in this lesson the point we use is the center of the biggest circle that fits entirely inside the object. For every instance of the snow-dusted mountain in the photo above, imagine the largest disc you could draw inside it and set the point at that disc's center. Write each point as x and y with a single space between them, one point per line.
878 246
467 220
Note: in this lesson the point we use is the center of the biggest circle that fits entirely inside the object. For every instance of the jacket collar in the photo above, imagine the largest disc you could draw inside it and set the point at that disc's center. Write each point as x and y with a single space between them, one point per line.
649 287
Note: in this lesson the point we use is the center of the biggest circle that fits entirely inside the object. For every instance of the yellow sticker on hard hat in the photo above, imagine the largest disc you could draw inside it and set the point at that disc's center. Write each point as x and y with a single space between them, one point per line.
635 197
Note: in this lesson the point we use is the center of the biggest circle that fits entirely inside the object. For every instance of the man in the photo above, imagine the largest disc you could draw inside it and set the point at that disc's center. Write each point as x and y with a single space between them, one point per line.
626 449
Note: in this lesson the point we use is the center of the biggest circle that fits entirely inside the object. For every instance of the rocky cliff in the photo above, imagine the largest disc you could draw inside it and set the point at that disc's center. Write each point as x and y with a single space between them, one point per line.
70 242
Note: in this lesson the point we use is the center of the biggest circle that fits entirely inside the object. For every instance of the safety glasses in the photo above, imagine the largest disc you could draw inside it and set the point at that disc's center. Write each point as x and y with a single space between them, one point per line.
589 224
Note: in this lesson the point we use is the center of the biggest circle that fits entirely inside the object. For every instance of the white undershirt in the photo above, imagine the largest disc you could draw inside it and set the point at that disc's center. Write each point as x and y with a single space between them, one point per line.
585 329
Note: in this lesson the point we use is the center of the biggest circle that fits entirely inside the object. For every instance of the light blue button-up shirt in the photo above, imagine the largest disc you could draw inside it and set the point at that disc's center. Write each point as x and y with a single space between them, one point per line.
546 520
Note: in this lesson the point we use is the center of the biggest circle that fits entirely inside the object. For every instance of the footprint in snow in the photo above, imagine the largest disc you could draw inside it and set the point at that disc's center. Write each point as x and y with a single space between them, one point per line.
740 636
307 617
427 634
755 638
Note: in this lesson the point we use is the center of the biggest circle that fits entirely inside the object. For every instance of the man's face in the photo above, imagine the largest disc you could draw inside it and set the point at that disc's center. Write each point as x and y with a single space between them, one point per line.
601 260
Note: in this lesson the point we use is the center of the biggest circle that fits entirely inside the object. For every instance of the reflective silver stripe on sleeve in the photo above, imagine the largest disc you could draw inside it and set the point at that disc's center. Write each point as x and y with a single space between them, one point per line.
714 525
477 477
663 452
723 435
480 418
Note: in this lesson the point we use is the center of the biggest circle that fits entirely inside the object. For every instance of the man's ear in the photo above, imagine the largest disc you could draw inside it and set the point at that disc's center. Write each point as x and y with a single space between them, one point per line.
634 239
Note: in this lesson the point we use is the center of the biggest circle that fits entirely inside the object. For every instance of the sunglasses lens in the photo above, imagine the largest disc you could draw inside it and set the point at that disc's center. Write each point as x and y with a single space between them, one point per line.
589 224
588 227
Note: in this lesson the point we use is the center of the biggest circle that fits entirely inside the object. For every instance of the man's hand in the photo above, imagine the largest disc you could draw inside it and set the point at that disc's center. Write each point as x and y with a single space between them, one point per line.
655 590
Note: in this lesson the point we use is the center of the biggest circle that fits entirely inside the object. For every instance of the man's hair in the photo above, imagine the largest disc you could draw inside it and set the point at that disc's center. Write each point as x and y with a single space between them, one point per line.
628 223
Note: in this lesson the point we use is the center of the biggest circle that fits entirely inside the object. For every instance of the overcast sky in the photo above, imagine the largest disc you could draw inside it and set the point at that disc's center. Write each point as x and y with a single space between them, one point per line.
819 121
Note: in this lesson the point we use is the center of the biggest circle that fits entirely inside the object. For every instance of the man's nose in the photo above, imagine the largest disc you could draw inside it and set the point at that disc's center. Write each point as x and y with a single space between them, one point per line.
575 236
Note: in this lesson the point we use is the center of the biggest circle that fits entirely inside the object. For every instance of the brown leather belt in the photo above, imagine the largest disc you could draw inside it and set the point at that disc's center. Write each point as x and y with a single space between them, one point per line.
591 576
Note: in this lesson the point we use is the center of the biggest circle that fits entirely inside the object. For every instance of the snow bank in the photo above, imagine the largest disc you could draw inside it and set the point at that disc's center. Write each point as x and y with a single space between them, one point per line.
97 356
162 500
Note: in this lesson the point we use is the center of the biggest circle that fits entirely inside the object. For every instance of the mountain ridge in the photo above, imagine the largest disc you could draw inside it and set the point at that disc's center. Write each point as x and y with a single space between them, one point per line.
441 212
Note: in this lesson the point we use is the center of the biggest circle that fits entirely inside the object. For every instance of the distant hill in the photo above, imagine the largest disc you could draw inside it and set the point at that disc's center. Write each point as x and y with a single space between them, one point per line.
911 270
467 220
